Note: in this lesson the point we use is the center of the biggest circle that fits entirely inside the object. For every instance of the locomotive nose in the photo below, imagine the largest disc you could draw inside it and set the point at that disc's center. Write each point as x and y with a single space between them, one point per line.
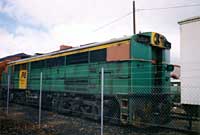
160 41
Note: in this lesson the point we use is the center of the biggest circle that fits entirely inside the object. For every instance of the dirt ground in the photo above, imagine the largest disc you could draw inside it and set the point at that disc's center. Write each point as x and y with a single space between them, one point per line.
23 120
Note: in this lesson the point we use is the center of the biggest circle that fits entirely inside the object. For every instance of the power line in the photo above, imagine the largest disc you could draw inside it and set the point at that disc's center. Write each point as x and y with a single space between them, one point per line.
117 19
138 10
163 8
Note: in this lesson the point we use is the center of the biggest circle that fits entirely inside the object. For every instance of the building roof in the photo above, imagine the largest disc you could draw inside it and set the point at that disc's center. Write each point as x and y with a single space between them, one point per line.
189 20
22 55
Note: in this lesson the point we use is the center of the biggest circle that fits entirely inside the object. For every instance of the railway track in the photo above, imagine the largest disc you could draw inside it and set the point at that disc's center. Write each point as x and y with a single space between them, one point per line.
148 127
184 129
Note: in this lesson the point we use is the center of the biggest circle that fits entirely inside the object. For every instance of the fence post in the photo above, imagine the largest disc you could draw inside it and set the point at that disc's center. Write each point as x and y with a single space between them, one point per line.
8 93
102 95
40 100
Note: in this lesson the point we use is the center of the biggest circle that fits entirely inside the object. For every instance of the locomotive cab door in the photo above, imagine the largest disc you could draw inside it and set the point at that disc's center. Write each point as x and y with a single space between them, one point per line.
23 76
157 69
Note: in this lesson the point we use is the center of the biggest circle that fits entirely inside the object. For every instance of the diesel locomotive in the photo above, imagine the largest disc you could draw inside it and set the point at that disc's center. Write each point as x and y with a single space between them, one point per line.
136 84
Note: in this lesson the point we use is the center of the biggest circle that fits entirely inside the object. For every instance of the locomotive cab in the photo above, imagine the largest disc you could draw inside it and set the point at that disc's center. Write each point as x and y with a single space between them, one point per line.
151 78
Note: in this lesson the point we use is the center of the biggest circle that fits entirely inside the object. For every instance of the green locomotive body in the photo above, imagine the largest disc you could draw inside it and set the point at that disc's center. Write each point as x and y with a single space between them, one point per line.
136 72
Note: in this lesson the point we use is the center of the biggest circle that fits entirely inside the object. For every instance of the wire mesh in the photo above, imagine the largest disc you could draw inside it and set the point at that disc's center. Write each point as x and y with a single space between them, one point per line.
130 98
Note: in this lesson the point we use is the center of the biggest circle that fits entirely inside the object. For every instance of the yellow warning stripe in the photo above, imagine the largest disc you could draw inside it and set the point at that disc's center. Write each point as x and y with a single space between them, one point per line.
153 40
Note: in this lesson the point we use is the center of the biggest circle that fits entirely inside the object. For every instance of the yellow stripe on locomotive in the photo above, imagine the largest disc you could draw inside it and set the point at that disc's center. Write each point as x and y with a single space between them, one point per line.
158 40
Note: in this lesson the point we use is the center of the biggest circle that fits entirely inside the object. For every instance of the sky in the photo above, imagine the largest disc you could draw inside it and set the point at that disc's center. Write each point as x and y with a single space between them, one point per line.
41 26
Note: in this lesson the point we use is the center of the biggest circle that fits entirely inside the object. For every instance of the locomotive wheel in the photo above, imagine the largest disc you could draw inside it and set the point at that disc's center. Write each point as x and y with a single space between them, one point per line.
65 106
90 111
76 111
85 110
97 112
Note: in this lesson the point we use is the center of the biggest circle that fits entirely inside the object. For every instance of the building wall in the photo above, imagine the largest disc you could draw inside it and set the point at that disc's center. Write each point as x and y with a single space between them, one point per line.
190 62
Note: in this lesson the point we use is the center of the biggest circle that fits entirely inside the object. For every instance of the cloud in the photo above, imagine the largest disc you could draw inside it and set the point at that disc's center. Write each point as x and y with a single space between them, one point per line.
49 12
25 40
60 22
71 34
31 41
42 25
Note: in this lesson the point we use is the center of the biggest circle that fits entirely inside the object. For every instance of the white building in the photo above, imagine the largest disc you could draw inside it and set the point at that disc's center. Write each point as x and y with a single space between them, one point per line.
190 60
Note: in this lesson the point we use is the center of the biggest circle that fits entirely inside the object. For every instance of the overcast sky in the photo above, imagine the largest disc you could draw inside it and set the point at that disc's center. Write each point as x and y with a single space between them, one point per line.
40 26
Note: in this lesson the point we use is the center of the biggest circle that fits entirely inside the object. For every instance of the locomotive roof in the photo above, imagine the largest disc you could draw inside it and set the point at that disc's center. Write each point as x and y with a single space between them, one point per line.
69 50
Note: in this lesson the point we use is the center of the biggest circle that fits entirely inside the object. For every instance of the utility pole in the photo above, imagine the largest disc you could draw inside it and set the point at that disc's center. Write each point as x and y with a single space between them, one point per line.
134 28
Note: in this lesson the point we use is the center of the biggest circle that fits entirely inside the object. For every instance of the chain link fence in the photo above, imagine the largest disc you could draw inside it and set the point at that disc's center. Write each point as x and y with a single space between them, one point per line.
69 101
